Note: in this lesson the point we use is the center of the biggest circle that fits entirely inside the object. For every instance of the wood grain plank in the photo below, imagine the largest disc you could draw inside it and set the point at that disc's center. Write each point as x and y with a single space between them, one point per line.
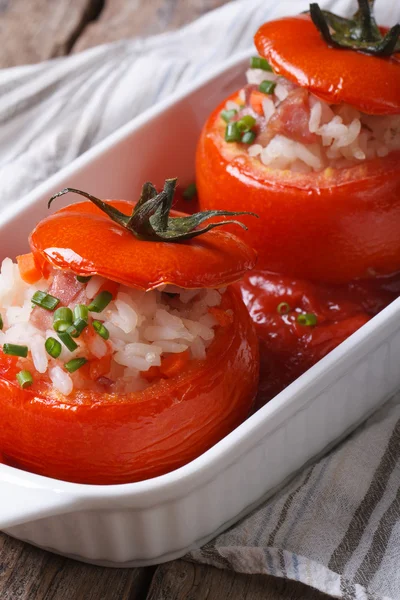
35 30
28 573
122 19
181 580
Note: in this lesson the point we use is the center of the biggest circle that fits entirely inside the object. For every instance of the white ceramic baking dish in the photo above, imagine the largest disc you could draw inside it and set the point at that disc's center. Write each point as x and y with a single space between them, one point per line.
160 519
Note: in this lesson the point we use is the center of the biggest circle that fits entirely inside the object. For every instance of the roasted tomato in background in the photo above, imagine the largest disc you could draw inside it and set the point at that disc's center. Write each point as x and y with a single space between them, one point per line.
94 434
332 219
299 322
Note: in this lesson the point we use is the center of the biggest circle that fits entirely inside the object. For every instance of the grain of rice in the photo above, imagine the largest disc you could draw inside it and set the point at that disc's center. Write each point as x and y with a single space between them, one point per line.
97 346
208 320
132 361
315 117
173 347
232 105
39 355
281 91
61 380
255 150
199 329
126 318
198 349
268 108
93 286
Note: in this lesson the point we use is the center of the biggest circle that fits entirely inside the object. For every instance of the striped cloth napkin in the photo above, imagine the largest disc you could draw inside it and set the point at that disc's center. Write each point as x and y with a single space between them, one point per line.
336 525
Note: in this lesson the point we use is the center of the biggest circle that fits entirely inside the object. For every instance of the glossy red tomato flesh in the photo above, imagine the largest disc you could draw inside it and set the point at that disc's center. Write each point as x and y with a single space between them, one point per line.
295 49
288 349
84 240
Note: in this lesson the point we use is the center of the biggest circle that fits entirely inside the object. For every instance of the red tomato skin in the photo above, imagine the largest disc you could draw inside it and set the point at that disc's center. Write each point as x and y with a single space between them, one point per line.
82 239
332 226
108 439
287 348
295 49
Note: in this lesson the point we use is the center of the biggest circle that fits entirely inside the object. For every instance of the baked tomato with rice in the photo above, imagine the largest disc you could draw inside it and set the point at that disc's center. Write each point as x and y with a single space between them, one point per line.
125 352
312 145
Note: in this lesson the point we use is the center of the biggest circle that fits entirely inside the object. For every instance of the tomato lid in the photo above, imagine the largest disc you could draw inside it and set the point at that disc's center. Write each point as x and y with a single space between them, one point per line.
135 249
296 49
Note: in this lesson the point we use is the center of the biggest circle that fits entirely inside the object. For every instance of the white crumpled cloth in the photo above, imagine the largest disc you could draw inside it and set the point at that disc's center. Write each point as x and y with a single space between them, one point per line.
336 526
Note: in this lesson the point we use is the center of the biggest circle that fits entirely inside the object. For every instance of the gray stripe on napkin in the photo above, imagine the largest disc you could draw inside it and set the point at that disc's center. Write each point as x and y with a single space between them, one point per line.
288 503
353 535
376 552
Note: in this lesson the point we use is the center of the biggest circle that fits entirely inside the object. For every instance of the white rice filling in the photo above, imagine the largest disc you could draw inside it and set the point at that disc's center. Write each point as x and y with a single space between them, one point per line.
345 136
144 328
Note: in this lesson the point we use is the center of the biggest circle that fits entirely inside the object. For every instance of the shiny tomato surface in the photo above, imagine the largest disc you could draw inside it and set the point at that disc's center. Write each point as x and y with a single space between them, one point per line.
82 239
95 438
295 49
334 226
288 349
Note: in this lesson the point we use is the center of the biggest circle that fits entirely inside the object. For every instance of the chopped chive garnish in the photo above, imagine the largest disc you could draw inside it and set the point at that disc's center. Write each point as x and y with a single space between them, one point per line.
190 192
45 300
62 319
1 323
53 347
256 62
308 319
15 350
101 329
81 312
232 133
24 379
245 123
248 137
75 364
100 302
227 115
267 87
67 340
77 327
83 278
283 308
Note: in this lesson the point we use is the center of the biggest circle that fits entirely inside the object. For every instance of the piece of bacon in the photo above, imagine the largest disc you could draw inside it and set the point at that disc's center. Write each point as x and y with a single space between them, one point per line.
292 116
67 289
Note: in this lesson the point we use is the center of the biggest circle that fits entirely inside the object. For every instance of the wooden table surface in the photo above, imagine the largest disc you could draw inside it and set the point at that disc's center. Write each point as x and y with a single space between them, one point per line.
32 31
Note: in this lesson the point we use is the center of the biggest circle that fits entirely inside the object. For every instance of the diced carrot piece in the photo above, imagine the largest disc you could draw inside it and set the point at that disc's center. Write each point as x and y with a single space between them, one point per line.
224 319
256 101
173 364
28 269
151 374
110 286
99 367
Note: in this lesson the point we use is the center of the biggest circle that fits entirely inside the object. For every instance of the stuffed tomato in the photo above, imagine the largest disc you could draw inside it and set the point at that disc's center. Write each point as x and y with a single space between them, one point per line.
312 145
124 350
